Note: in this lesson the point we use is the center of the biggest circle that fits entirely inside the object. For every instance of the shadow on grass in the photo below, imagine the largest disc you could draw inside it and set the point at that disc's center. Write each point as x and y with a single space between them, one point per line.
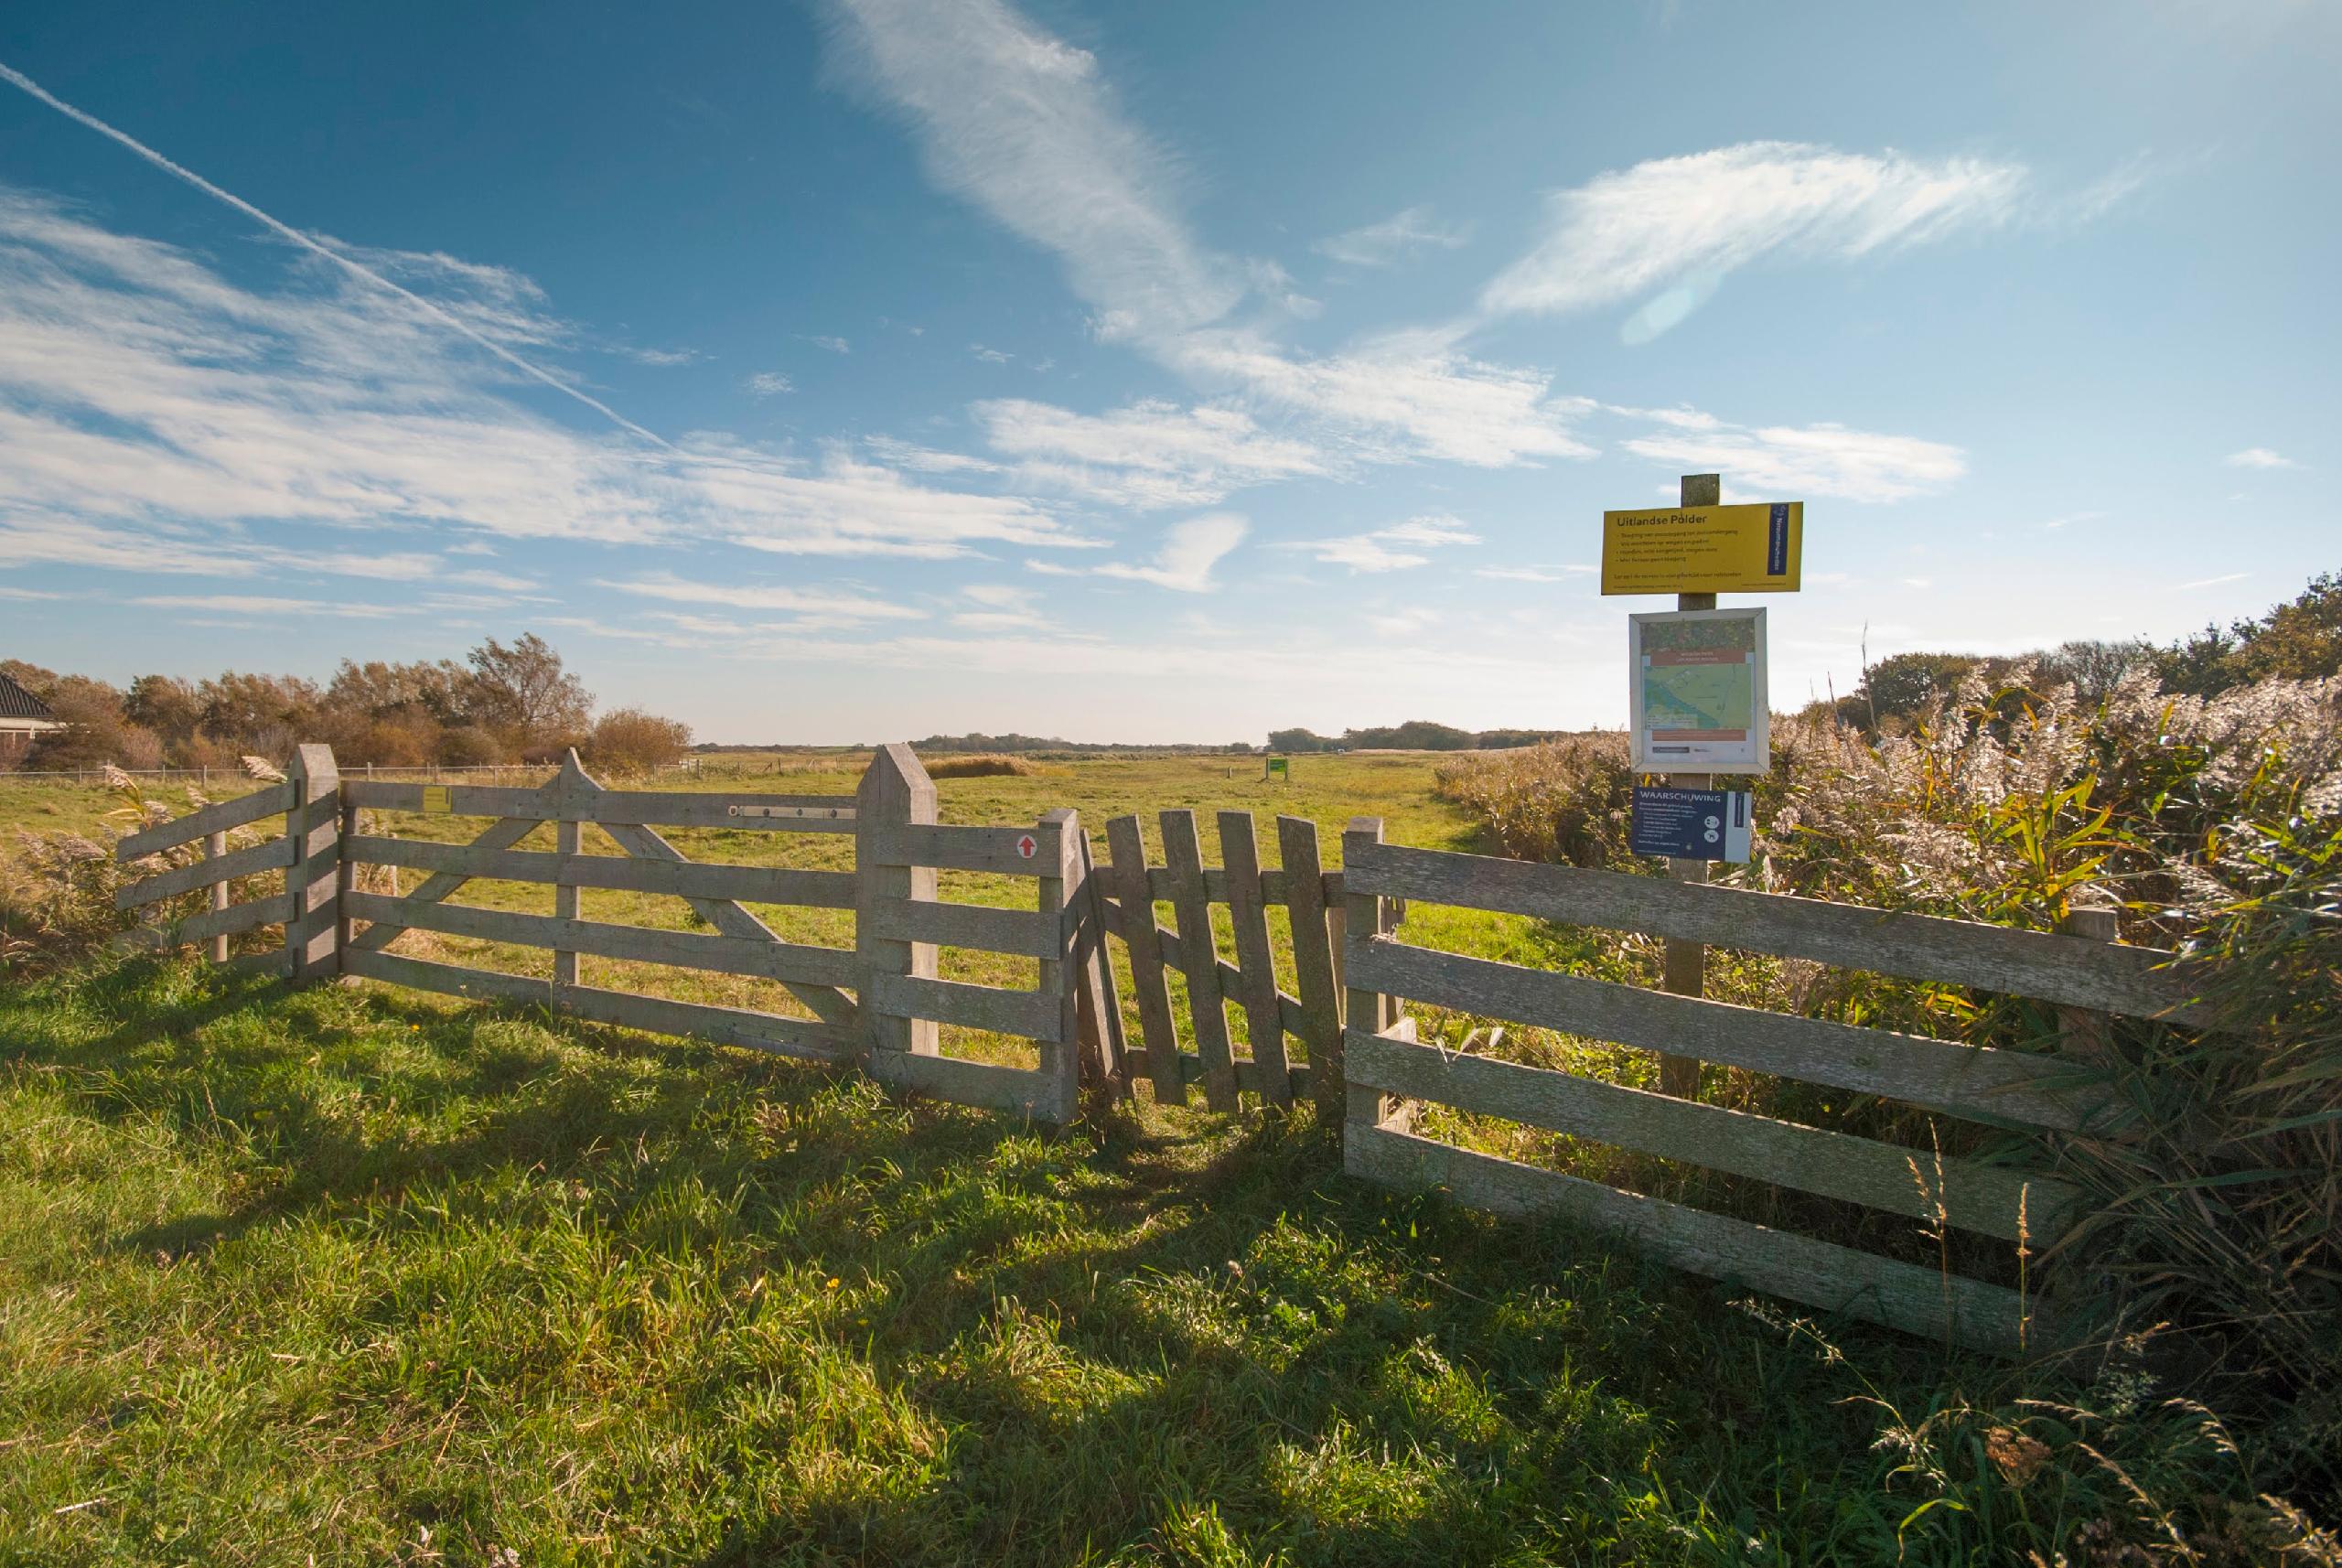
1227 1333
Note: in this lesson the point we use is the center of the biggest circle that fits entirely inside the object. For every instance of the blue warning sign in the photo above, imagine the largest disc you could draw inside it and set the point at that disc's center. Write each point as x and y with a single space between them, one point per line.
1692 824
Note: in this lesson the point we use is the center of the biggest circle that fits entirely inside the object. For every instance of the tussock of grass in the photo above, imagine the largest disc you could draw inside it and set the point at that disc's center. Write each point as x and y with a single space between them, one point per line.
349 1274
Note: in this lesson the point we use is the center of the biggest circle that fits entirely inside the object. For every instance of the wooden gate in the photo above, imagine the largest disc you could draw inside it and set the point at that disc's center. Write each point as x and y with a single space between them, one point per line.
877 1004
1391 1074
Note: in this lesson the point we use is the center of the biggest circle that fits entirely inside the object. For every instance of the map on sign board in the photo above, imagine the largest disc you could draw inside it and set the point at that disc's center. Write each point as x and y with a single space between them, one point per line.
1696 681
1753 549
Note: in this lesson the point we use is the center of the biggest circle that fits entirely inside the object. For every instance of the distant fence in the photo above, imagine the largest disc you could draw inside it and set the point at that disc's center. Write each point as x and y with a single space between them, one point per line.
879 1004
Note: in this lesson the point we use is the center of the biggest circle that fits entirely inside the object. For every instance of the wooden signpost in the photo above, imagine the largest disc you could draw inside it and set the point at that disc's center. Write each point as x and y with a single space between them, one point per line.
1694 549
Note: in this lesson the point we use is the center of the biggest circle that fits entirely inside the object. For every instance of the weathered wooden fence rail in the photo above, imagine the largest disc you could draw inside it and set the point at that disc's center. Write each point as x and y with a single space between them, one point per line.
1391 1075
881 1004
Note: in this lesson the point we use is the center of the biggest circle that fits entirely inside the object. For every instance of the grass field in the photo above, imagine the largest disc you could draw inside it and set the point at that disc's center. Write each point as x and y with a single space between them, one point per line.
356 1275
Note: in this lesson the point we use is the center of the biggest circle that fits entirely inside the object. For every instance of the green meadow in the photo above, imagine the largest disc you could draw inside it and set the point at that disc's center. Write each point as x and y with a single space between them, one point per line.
356 1275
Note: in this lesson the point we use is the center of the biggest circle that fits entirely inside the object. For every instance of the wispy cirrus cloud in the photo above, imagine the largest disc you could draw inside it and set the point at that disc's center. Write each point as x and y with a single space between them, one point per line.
156 416
1689 221
826 606
1795 461
1397 238
770 384
1391 549
1024 126
1184 563
1147 455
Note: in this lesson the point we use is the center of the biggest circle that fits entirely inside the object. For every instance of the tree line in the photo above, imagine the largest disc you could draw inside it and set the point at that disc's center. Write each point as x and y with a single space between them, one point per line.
2298 641
1415 734
501 702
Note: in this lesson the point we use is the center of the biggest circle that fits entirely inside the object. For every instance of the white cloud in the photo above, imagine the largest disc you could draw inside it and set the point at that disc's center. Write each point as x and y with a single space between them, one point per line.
2213 582
2259 457
827 605
1391 549
1024 126
1021 123
1700 217
1790 463
1396 239
1149 455
771 383
1190 549
989 356
157 418
834 345
350 267
1400 397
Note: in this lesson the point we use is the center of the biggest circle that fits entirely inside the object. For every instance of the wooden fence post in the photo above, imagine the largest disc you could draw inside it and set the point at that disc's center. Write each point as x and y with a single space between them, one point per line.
1248 914
313 882
894 792
1102 1025
573 792
1157 1026
2083 1033
1370 916
214 846
1685 967
1199 956
1062 976
1313 961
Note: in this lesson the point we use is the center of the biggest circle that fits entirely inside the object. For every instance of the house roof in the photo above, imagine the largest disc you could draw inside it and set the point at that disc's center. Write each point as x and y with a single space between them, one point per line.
16 702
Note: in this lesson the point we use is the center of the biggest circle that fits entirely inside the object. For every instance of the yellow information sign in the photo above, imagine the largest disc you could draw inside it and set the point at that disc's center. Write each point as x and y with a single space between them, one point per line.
436 799
1704 549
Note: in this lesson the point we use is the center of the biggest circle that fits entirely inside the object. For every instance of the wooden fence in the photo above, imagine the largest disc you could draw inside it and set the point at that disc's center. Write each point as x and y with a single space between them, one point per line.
879 1004
1391 1074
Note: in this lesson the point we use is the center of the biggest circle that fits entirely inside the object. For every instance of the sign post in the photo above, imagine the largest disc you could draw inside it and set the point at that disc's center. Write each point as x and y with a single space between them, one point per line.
1685 968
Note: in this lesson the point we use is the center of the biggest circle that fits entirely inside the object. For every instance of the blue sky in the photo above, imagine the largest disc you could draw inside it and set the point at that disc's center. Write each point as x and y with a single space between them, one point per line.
865 368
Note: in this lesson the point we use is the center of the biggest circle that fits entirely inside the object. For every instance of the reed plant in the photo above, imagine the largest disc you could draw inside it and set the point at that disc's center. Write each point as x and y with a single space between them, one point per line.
2212 825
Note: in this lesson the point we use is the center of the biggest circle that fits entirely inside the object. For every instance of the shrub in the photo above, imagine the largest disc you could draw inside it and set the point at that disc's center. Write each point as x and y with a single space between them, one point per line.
470 745
1566 801
627 740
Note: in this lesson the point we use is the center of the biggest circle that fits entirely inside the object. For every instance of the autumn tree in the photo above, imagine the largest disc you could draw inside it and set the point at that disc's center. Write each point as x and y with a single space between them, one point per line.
522 692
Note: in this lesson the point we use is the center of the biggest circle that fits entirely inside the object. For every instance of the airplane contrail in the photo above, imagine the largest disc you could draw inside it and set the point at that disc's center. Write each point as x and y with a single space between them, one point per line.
357 269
